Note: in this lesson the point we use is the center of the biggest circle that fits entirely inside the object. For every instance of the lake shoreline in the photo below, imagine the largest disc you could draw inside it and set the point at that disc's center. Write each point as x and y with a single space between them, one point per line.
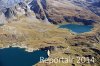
27 49
77 29
14 45
17 53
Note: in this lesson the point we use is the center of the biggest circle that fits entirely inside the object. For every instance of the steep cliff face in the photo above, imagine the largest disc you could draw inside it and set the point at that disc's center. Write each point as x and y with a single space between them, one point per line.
37 7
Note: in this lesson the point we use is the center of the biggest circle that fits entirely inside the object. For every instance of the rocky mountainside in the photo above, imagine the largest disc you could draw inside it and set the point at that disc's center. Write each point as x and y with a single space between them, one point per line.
92 5
12 9
59 11
54 11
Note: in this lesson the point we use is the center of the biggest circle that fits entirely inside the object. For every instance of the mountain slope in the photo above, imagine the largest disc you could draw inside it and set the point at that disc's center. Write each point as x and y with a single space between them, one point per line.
58 11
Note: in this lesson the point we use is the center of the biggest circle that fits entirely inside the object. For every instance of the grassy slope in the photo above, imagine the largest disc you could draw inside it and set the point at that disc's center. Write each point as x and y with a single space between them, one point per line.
30 31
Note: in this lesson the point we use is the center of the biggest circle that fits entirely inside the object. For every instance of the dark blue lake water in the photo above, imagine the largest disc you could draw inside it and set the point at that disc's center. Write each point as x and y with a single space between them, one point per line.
19 57
77 28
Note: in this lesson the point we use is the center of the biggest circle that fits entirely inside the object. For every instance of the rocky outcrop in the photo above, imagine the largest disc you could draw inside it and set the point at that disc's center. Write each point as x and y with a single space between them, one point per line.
13 10
79 20
18 10
38 8
2 18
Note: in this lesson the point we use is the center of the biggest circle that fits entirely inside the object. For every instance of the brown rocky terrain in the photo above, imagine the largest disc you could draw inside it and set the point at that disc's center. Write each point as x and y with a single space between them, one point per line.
62 11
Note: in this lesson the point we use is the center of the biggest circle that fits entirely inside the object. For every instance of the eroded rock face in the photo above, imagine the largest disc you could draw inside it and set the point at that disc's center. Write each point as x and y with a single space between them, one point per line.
2 18
13 9
18 10
38 7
